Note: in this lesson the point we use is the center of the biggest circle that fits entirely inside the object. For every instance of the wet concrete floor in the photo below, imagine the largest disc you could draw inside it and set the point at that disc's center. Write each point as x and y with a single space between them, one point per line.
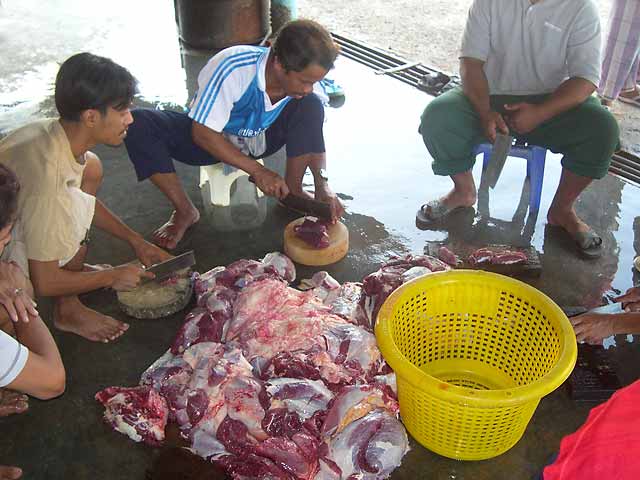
379 166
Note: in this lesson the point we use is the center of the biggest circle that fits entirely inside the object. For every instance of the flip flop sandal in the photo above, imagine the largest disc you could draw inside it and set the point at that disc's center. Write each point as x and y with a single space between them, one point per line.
432 212
636 263
589 244
635 100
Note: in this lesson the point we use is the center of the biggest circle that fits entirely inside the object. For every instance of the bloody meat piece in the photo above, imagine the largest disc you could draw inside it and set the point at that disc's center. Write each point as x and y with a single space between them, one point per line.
313 232
139 412
509 257
448 256
482 255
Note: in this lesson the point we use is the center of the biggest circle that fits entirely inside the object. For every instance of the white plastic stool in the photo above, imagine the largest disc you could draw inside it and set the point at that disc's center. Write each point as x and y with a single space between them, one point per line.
231 201
220 178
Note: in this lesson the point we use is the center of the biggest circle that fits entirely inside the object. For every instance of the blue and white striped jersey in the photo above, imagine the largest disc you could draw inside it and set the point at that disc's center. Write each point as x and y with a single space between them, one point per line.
232 96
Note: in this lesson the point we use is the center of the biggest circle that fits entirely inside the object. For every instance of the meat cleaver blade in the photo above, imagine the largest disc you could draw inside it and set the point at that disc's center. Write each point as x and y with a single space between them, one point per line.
308 206
501 149
165 269
304 205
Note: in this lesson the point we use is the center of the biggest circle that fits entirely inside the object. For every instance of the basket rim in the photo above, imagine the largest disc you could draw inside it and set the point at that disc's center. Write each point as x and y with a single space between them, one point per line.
479 398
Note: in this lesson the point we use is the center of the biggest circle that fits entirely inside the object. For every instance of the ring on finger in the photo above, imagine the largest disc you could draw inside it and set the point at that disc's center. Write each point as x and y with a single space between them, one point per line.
17 291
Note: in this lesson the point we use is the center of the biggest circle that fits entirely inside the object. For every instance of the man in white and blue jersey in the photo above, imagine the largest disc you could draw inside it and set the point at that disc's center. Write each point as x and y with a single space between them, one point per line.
251 101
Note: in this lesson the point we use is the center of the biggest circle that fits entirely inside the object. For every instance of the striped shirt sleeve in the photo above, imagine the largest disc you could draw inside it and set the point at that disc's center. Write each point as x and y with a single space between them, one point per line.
220 84
13 357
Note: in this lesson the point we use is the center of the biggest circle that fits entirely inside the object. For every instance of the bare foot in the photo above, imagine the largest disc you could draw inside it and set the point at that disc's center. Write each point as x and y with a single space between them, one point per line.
88 267
10 473
567 220
12 402
455 199
169 234
70 315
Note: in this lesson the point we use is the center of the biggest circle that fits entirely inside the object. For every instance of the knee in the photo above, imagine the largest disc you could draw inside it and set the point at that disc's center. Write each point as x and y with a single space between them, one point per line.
605 127
434 119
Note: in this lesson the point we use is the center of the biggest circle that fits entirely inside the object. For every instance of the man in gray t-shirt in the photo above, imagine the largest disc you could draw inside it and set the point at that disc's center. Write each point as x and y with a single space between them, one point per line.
528 68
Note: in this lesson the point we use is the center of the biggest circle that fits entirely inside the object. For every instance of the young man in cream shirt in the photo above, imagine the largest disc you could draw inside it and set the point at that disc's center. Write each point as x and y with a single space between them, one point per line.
59 178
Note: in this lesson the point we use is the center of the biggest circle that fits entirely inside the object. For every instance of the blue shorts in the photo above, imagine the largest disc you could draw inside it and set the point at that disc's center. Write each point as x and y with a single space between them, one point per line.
157 137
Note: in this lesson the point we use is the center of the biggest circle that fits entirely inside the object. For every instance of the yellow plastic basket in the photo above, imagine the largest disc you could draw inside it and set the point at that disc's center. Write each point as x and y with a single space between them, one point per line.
474 352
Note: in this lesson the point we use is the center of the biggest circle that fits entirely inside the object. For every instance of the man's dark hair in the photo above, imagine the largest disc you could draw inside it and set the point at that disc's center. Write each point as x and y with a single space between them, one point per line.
301 43
9 188
87 81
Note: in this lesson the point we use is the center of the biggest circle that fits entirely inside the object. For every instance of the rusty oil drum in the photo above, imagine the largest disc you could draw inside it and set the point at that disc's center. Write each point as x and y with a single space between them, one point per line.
217 24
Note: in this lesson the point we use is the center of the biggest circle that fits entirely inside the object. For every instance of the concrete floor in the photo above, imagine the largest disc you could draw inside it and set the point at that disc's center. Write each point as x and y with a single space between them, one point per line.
377 163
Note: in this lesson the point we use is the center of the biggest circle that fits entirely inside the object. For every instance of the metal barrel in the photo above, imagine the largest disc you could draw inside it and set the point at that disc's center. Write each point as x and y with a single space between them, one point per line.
217 24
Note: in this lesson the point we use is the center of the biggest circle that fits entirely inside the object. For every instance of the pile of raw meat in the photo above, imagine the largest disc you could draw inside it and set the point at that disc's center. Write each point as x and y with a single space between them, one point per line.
275 383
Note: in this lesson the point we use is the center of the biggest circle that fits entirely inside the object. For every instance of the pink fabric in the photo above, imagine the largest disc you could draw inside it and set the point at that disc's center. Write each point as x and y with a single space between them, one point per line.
607 446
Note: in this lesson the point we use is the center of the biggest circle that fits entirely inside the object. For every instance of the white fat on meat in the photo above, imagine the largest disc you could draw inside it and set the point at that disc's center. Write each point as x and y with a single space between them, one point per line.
302 396
354 402
371 447
414 272
282 265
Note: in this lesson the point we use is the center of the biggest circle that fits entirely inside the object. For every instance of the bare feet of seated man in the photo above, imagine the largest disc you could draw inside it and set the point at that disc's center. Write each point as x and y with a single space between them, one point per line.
70 315
169 235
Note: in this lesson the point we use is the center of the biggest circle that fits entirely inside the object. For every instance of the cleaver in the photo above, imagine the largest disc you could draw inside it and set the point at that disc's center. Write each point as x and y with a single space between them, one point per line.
165 269
609 309
500 152
304 205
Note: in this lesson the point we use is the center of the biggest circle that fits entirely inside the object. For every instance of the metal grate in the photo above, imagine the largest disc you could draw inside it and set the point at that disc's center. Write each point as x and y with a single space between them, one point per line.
624 165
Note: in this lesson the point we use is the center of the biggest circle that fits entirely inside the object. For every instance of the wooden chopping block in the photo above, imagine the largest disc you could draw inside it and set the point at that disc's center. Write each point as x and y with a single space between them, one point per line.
303 253
156 300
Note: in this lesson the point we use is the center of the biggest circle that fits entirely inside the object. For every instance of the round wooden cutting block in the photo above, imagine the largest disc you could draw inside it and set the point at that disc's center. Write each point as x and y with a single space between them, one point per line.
303 253
156 300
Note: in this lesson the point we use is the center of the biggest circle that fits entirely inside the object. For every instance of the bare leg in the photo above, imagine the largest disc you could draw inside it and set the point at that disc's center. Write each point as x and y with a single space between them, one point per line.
184 215
561 211
70 315
296 168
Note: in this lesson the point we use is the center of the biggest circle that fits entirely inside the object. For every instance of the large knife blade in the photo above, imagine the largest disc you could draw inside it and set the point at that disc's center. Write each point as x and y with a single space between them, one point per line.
304 205
308 206
165 269
499 154
609 309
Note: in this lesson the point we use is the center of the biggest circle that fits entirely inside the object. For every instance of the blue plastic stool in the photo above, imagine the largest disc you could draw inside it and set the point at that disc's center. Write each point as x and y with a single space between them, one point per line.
535 157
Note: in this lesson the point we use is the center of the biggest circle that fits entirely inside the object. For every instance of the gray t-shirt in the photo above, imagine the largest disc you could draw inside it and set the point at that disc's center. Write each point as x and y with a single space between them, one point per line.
532 48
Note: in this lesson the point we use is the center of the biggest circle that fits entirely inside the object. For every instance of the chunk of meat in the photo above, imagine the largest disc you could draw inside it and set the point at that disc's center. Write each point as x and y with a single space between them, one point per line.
497 257
448 256
509 257
281 264
356 401
202 326
139 412
313 232
371 447
482 255
301 396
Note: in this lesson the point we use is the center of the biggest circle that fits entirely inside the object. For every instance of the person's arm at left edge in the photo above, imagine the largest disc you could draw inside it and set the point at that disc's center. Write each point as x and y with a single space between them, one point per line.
583 64
146 252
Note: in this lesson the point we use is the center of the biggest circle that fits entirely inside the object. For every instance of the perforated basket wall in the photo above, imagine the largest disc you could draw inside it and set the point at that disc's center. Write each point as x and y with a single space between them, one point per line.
473 353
